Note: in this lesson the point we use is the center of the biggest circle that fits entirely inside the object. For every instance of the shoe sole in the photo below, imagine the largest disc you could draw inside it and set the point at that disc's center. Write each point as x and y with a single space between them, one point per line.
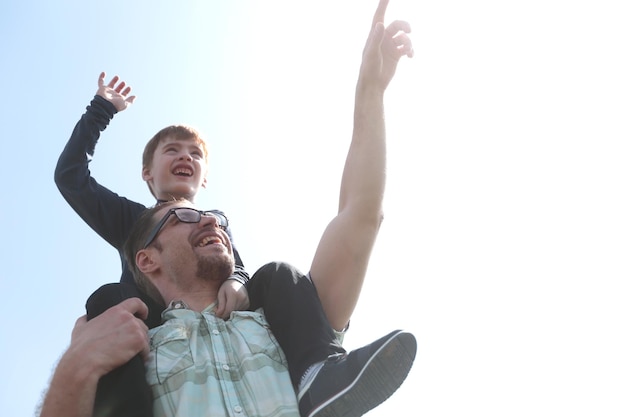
381 376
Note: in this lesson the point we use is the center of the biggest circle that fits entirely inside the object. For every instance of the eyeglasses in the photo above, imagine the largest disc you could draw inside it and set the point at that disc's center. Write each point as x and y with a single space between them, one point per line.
186 215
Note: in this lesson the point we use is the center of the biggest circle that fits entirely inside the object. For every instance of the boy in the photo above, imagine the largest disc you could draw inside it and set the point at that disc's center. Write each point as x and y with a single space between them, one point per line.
174 166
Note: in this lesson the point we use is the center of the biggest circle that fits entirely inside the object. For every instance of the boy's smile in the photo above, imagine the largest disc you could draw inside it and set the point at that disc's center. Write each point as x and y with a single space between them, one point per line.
184 170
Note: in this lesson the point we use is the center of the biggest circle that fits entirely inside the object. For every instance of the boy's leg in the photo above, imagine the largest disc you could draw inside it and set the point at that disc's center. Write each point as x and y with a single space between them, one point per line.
329 382
124 391
295 314
112 294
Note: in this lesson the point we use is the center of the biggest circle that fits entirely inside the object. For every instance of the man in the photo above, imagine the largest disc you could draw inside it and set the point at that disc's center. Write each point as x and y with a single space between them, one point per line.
200 364
169 255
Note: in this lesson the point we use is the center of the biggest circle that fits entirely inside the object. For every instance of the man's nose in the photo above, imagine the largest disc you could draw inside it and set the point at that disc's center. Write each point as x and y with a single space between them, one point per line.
209 220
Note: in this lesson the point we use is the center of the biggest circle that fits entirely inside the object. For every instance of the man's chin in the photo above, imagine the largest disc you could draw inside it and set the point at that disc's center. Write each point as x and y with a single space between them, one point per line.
216 269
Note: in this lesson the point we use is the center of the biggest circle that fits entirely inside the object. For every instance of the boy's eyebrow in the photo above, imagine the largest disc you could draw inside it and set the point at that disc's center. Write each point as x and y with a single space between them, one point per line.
180 142
197 147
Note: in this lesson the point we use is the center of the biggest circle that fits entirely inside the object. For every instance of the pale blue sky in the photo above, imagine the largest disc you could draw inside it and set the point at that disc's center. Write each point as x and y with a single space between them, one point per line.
504 239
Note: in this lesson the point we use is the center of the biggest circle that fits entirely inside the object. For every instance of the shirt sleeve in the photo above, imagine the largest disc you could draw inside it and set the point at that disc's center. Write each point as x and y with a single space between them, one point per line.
108 214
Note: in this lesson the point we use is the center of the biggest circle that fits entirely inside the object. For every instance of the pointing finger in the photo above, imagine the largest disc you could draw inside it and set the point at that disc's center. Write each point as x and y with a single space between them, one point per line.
379 15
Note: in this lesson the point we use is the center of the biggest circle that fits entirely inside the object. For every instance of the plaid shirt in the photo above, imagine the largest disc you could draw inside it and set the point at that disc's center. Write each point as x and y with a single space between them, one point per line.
201 365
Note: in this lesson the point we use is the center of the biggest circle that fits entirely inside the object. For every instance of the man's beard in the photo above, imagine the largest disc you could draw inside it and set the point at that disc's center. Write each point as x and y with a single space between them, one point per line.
215 268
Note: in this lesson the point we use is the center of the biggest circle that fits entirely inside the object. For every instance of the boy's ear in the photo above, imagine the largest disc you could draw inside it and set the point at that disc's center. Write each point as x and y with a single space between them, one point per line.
146 174
146 260
204 181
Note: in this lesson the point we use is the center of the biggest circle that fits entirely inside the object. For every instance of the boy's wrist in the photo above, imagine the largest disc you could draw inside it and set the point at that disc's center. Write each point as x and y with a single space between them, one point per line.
105 104
237 278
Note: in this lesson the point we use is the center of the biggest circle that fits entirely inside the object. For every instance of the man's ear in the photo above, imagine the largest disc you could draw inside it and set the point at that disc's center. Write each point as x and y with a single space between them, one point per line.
146 260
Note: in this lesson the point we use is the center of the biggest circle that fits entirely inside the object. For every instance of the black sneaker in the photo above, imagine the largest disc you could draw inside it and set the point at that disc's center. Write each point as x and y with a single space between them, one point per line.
350 385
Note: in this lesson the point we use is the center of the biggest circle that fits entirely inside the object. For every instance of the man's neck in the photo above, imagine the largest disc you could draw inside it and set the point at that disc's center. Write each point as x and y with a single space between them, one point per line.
196 299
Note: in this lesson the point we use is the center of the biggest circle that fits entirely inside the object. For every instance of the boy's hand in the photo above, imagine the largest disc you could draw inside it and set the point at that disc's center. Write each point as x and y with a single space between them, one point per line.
232 296
116 94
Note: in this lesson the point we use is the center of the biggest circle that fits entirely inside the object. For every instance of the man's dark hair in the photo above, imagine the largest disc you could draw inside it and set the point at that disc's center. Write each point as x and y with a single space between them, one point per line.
135 242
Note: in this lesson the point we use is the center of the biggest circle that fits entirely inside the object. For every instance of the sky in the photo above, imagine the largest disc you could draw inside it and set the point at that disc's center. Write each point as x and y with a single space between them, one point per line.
502 248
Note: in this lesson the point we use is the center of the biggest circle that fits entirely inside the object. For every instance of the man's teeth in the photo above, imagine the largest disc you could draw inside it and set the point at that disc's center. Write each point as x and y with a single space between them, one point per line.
208 240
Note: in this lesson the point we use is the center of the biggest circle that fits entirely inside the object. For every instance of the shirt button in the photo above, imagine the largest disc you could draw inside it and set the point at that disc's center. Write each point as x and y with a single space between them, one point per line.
225 367
216 332
238 409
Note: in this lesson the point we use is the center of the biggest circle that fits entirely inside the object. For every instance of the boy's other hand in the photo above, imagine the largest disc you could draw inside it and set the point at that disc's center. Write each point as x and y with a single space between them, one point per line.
115 93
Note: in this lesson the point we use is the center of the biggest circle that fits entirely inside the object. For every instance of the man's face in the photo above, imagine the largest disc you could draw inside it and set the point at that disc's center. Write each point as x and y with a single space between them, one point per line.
190 251
178 170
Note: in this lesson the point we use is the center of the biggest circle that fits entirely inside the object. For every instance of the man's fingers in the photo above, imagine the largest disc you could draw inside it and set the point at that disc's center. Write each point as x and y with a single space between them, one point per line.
145 351
375 38
379 15
145 347
82 319
398 26
403 43
78 325
135 306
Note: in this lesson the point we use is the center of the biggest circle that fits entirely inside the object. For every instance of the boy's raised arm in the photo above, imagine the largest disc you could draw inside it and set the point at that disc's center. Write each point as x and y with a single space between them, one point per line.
102 209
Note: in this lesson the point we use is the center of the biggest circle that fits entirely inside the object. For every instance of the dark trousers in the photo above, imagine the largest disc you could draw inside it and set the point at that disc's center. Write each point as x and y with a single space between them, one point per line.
295 314
291 306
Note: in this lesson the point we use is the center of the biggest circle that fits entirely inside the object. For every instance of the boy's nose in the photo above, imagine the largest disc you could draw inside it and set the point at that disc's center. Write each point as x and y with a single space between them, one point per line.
185 156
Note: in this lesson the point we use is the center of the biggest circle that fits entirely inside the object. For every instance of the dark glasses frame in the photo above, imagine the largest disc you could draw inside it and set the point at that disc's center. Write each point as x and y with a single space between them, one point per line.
186 215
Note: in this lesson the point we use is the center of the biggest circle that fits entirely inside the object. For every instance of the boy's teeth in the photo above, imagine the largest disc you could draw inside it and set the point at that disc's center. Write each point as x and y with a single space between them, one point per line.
183 172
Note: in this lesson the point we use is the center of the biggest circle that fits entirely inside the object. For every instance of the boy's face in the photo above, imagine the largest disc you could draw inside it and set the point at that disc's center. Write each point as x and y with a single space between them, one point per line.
178 170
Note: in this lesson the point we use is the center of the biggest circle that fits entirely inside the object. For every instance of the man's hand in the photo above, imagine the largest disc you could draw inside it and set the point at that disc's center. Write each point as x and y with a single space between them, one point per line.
232 296
116 94
384 48
98 346
112 338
